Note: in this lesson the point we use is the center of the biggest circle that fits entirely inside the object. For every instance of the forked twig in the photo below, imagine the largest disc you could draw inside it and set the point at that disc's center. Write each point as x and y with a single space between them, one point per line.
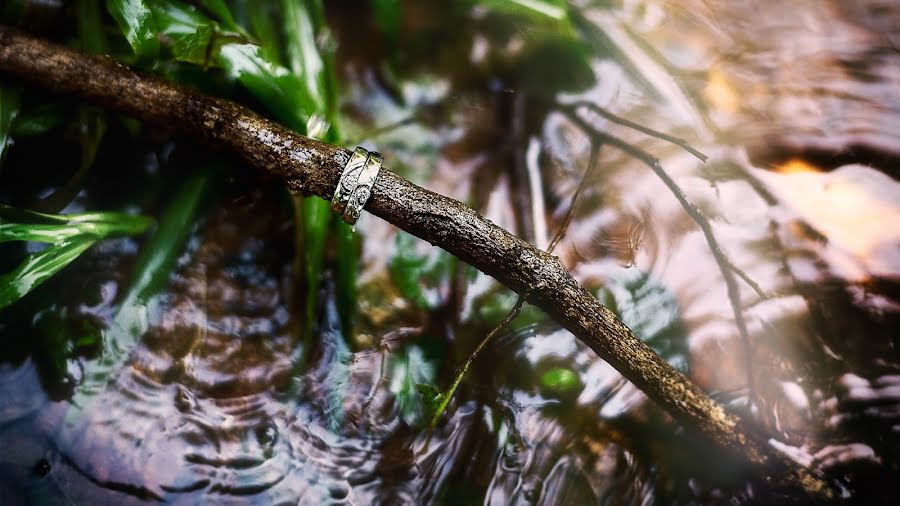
725 265
517 307
678 141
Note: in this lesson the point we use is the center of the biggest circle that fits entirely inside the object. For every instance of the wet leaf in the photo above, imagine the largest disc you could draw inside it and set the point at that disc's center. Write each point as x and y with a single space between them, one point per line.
38 267
303 56
197 48
283 93
552 9
157 259
135 19
348 246
175 19
153 269
303 26
67 236
543 15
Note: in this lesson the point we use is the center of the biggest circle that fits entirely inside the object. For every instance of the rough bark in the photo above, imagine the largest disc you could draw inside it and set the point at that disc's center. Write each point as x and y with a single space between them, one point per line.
312 167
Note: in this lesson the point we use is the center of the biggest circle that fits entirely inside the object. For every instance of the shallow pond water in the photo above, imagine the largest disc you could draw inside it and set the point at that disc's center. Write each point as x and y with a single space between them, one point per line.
222 397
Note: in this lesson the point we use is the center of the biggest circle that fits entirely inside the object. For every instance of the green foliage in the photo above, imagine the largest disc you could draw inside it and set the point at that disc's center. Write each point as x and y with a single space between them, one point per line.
37 120
348 246
552 12
157 259
560 380
302 94
415 275
91 35
433 401
388 15
303 59
222 12
67 237
556 57
135 19
650 311
409 371
495 306
152 272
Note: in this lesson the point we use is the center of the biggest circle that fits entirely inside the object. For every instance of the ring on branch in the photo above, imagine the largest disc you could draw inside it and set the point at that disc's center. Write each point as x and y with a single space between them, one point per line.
349 178
363 189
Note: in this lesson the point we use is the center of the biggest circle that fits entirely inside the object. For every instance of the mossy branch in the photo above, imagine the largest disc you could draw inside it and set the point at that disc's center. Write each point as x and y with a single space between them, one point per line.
312 167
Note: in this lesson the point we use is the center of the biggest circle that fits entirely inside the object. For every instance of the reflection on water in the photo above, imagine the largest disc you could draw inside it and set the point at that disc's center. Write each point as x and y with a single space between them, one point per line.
799 110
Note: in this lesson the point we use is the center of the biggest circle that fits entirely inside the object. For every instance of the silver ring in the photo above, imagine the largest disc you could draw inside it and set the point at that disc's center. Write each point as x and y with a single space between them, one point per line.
363 189
349 178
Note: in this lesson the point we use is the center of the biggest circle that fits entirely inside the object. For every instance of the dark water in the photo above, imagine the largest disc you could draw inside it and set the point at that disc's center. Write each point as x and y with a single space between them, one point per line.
223 400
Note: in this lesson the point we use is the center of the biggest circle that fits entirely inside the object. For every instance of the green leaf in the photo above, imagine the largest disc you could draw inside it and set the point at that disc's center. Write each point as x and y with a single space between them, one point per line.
175 19
153 269
432 400
301 20
91 35
37 121
552 14
650 311
387 16
51 228
157 259
283 93
10 100
561 380
197 47
38 267
135 19
68 236
221 11
408 370
417 276
552 9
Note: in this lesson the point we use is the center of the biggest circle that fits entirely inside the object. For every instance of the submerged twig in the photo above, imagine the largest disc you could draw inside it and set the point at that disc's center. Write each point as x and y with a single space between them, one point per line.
747 279
313 167
517 307
725 265
683 144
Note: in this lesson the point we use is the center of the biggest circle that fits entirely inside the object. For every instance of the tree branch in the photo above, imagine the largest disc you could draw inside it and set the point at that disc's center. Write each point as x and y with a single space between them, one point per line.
312 167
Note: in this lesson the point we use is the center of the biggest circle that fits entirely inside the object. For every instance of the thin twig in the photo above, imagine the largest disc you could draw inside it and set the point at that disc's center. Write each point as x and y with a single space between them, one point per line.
747 279
678 141
517 307
593 160
464 368
725 265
